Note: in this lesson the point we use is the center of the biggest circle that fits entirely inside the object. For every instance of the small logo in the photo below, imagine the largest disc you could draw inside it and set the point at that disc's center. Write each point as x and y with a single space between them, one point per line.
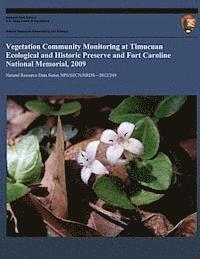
188 23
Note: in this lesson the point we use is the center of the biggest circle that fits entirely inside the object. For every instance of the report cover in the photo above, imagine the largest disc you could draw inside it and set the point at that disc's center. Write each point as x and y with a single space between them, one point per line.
99 130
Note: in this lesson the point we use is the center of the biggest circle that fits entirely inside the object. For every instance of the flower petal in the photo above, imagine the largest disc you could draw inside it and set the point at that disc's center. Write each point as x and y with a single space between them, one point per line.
113 153
134 146
83 158
125 129
91 149
85 174
109 136
98 168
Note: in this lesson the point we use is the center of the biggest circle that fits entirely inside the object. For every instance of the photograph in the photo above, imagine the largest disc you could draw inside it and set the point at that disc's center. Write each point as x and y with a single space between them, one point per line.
101 166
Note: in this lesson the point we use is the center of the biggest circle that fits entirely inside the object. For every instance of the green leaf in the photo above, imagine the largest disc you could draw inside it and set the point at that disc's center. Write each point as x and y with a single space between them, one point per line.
15 191
146 131
46 109
111 190
144 197
68 130
24 160
144 105
156 174
40 132
10 179
39 106
140 171
170 105
68 108
133 118
161 171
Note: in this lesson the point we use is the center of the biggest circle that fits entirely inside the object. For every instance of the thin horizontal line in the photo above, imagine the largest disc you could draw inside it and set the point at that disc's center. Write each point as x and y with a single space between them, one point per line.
100 10
110 37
